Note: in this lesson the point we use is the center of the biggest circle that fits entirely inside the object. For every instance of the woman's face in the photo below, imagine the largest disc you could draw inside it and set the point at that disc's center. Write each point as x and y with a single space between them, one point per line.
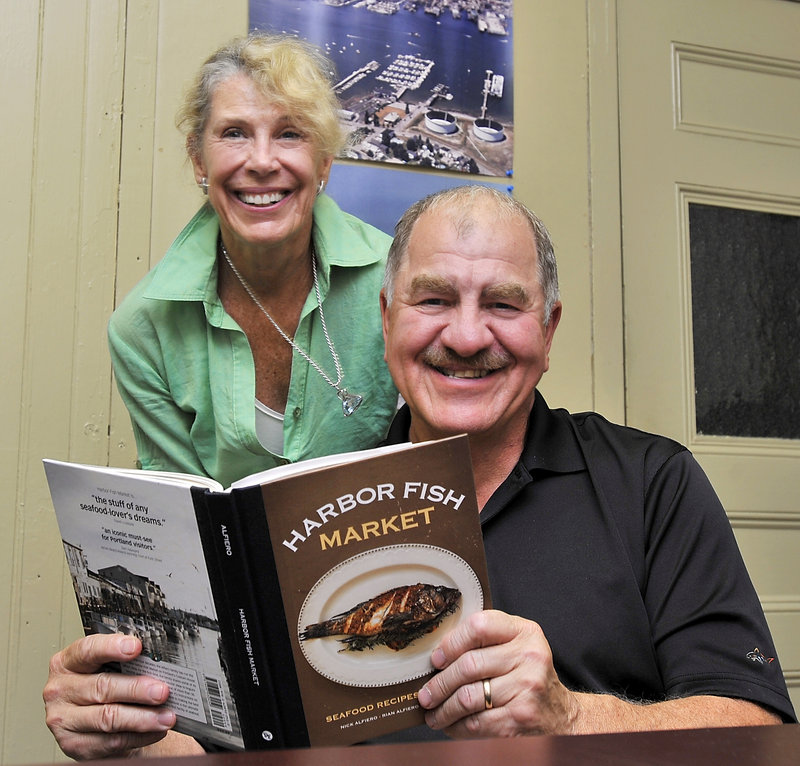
262 170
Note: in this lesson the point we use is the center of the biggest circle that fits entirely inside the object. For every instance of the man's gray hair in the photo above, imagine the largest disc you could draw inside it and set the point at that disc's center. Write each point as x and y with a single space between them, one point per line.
457 204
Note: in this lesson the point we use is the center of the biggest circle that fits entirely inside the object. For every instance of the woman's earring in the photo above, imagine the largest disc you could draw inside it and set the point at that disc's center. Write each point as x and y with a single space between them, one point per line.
204 185
321 186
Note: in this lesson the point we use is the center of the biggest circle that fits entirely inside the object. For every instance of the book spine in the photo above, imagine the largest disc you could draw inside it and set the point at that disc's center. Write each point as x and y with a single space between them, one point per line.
269 630
249 677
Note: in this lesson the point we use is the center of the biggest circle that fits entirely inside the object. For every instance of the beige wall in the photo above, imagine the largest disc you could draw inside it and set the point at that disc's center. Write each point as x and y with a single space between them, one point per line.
94 189
90 200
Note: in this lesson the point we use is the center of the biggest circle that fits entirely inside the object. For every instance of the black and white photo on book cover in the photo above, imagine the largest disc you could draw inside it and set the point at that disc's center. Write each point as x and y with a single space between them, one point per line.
120 529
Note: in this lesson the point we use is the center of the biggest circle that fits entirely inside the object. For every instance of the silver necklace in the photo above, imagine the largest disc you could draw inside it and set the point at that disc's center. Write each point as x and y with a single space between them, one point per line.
350 402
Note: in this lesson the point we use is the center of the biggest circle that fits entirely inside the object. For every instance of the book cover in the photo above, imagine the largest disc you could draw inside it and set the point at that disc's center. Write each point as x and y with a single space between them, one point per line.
137 565
376 559
327 585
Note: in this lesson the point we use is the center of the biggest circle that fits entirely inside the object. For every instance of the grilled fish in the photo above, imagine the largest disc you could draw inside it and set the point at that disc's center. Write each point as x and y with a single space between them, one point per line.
394 618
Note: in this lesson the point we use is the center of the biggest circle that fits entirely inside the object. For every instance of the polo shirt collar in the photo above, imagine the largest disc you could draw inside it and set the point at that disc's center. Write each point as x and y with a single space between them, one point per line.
550 447
550 441
400 427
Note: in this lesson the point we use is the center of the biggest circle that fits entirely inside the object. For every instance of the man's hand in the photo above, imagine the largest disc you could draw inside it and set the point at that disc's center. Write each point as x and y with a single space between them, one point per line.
96 714
528 698
513 654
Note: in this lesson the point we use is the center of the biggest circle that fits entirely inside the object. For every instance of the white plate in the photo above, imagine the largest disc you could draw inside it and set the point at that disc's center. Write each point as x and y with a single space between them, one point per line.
365 576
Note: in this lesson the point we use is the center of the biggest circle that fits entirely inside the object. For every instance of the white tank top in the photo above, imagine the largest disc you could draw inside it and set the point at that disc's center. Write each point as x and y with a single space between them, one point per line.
269 428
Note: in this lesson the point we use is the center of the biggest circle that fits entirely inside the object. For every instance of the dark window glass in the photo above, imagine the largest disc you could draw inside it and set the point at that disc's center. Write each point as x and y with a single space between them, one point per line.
745 267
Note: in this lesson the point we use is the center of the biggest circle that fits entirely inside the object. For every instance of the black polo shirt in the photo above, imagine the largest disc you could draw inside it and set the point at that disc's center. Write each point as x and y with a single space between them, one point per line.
614 541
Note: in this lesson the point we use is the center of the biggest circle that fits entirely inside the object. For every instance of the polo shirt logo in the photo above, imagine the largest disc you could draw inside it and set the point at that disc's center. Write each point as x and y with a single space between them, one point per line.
757 656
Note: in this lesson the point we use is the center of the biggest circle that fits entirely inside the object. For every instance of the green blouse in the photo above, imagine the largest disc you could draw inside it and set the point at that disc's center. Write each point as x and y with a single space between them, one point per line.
186 374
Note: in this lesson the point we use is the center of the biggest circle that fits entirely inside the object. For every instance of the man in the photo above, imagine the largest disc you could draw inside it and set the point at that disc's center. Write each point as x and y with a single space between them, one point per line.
622 602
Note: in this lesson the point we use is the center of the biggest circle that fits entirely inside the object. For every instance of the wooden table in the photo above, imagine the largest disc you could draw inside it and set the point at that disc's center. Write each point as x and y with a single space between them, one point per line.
749 746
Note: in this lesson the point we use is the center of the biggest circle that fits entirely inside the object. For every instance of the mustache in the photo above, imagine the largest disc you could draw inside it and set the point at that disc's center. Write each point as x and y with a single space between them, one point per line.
486 359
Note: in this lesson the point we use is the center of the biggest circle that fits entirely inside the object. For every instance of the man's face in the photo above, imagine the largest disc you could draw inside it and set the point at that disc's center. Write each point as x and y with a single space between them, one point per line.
466 341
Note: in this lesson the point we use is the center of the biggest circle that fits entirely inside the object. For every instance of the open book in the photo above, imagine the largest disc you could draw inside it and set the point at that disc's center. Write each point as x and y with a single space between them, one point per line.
301 605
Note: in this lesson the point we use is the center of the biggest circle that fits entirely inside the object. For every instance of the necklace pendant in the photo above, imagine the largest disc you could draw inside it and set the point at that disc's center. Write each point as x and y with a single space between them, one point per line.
350 402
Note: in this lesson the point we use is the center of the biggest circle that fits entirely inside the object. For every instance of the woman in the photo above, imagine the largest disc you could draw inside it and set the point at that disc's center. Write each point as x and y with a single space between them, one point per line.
255 341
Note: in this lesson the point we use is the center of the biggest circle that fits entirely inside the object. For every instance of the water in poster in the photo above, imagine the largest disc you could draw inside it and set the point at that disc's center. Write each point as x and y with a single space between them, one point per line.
414 70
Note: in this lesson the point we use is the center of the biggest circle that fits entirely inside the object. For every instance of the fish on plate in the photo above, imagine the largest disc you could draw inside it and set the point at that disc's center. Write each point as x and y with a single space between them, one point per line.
394 618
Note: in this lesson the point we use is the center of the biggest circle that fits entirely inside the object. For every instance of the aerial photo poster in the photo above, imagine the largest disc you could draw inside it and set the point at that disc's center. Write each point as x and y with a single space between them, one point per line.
427 83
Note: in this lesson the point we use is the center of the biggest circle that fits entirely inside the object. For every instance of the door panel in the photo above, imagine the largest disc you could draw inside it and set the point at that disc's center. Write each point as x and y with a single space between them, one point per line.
710 116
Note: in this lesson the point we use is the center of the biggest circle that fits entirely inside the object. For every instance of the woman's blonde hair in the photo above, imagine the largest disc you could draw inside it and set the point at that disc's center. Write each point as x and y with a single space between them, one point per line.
293 74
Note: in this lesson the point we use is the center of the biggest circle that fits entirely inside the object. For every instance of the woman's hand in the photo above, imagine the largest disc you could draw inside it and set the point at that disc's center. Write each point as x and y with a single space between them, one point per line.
97 714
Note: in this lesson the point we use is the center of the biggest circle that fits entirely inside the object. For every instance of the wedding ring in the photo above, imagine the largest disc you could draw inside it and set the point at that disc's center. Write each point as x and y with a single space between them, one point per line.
487 694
